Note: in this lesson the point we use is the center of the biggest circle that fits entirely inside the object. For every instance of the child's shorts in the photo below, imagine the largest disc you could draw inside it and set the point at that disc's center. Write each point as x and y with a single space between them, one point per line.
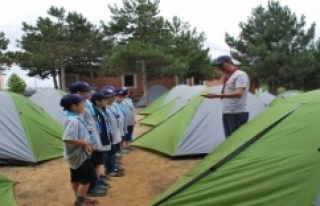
84 174
97 158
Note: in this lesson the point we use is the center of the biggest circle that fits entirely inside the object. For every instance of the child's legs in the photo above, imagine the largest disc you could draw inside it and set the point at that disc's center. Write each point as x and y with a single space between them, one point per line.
83 189
81 179
130 133
109 162
75 187
118 147
128 137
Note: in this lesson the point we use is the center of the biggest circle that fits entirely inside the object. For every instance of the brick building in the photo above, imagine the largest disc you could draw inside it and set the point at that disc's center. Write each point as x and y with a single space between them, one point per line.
133 82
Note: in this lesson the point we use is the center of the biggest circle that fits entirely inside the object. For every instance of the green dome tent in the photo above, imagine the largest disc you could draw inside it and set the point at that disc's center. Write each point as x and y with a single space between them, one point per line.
195 129
284 95
164 99
49 101
174 106
6 192
272 160
27 133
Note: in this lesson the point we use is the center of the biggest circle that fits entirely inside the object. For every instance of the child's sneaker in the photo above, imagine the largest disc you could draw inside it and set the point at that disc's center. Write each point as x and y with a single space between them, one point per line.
125 150
101 182
95 192
115 174
103 178
131 148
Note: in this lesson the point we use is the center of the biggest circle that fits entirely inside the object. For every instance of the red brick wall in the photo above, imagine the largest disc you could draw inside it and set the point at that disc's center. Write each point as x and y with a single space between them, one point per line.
117 82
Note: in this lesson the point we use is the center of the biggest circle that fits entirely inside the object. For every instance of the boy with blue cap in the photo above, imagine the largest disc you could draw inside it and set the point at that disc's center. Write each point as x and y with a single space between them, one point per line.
111 167
83 89
77 147
130 117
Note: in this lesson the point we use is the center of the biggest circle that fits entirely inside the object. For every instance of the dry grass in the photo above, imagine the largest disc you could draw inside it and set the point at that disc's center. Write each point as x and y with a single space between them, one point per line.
147 175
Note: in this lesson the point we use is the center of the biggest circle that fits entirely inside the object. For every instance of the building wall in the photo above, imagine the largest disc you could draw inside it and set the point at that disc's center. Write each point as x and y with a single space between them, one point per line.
1 81
136 91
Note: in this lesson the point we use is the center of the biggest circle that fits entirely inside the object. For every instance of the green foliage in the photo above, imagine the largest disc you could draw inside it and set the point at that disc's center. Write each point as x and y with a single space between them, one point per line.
16 84
5 57
274 47
61 43
166 48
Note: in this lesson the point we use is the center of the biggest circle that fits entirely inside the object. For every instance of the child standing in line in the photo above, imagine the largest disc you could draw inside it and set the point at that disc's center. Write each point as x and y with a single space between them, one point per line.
84 89
78 148
123 121
130 117
113 116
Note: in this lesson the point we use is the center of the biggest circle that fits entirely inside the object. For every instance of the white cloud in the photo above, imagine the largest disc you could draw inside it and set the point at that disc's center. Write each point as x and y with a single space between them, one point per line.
30 81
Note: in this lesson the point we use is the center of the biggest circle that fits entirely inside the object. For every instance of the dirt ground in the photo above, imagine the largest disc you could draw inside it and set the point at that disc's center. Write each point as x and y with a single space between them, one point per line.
147 175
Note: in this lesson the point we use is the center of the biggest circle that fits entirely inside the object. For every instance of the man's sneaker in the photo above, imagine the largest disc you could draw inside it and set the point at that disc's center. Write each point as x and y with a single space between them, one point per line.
118 154
95 192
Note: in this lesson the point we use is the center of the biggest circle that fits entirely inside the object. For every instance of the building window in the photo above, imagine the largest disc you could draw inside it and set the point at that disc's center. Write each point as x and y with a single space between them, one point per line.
129 80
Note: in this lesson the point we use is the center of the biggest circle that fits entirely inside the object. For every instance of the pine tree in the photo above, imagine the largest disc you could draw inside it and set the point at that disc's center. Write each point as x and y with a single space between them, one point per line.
5 57
61 43
147 44
272 46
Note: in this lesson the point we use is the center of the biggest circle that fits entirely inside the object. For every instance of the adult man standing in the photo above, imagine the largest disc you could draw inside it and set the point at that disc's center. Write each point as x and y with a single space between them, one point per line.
233 95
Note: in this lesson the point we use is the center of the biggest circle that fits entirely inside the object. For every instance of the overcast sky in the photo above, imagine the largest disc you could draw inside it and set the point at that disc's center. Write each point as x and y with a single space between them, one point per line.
213 17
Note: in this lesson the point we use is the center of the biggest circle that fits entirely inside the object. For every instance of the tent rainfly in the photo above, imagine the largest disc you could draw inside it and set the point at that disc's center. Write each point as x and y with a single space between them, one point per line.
6 192
266 97
154 92
166 98
28 134
272 160
284 95
195 129
49 101
172 107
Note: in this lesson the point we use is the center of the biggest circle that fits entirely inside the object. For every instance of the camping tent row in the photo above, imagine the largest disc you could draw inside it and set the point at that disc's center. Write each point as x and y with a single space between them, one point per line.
6 192
153 93
272 160
164 99
173 103
194 129
28 134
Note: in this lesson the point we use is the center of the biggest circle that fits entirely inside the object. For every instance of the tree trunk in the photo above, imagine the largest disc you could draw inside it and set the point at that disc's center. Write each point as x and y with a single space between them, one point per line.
91 76
272 87
144 81
54 78
60 87
62 75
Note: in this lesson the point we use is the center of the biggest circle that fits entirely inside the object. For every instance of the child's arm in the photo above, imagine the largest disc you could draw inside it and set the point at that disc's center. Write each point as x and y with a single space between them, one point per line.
81 143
